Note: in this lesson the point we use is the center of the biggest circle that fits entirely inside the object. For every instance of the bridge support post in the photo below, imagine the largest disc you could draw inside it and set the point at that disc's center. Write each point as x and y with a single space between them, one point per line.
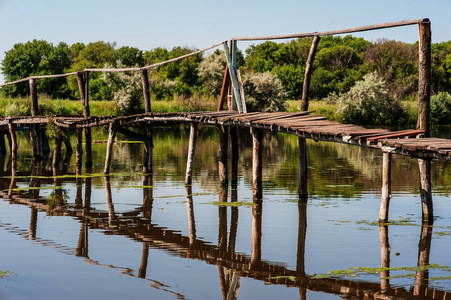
148 150
191 152
223 144
79 149
424 166
386 187
146 92
109 151
302 191
424 76
235 154
12 141
57 152
257 162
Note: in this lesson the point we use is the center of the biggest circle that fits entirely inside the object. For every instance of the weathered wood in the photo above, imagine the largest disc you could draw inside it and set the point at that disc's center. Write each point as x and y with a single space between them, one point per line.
57 152
302 190
148 150
241 89
223 145
79 148
34 97
386 187
146 91
257 162
235 154
385 258
12 141
191 152
424 77
424 166
236 91
109 152
224 88
308 73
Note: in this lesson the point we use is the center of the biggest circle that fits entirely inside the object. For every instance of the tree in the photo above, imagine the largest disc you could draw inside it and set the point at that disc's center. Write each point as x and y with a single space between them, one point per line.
264 92
130 56
212 70
37 57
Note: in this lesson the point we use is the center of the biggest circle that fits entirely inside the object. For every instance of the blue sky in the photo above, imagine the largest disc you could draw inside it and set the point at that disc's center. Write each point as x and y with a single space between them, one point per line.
147 24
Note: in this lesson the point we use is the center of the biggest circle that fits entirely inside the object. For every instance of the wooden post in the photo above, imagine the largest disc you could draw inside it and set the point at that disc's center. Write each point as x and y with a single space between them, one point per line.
148 196
109 201
424 166
191 151
302 232
146 92
148 150
109 151
385 258
235 153
424 76
257 162
302 190
57 152
386 187
308 73
222 215
190 212
12 141
223 144
79 153
224 89
87 114
232 50
34 97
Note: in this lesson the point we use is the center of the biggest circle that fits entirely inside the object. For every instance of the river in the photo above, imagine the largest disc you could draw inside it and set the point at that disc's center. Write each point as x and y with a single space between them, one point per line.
87 236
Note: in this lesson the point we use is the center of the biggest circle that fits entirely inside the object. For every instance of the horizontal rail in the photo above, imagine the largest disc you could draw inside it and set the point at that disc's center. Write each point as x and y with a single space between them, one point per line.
332 32
114 69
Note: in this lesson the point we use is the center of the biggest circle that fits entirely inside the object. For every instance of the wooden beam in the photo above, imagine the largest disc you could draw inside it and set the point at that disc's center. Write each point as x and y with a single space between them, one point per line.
424 77
34 97
386 187
236 91
111 136
308 73
224 89
191 152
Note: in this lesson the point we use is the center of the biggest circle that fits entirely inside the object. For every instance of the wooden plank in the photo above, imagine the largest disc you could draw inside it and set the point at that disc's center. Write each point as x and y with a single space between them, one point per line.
396 134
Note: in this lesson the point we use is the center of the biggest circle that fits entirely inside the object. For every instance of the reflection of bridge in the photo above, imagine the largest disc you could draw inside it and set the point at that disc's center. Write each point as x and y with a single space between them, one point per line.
137 224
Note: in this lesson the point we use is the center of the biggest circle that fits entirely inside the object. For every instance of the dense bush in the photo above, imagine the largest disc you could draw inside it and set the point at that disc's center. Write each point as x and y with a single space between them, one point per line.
441 109
264 92
368 102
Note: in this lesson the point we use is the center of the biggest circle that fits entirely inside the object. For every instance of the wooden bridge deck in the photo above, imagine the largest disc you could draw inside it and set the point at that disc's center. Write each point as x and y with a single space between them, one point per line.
302 124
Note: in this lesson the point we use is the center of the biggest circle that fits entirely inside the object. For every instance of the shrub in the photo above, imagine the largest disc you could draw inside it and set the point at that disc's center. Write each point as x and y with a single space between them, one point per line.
211 70
264 92
368 102
441 109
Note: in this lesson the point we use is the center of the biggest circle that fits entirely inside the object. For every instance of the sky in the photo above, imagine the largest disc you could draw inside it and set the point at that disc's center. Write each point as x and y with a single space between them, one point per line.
147 24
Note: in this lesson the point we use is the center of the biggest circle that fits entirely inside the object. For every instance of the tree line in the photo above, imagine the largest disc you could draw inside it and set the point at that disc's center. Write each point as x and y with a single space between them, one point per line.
340 62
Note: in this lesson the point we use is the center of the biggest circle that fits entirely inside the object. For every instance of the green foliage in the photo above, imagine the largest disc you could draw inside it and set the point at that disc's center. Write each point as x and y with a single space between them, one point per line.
36 58
441 109
130 56
264 92
211 71
127 87
368 102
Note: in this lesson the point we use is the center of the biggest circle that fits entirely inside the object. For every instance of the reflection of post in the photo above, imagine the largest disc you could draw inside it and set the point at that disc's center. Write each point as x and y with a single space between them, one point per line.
33 224
82 246
109 200
223 144
424 166
233 219
12 141
144 259
191 151
148 150
385 258
12 184
424 249
190 211
147 196
222 212
88 189
302 169
256 254
386 187
78 195
79 146
257 162
302 231
235 154
109 151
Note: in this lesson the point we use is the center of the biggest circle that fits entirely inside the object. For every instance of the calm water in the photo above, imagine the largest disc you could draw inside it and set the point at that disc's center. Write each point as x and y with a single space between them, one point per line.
130 236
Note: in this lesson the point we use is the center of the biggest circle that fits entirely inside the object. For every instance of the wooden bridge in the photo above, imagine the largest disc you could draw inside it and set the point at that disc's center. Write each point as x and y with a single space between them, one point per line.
415 143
